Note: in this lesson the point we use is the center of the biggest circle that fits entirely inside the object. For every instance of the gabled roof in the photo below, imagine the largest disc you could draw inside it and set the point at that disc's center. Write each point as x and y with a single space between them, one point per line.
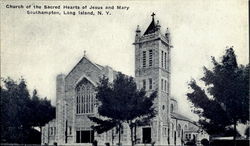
151 28
172 98
84 57
179 117
100 66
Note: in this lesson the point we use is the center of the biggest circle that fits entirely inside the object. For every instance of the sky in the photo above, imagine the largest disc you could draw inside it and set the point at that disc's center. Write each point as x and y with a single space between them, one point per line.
39 47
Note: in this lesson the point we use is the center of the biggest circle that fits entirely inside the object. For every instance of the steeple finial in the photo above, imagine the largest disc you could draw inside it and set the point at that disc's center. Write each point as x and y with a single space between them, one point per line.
138 29
84 53
153 15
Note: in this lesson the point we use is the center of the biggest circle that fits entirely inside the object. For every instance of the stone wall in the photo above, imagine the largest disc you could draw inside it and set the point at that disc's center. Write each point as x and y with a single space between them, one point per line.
49 133
60 108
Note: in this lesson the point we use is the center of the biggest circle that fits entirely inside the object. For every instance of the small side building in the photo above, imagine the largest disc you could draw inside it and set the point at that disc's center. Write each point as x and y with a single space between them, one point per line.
48 134
183 128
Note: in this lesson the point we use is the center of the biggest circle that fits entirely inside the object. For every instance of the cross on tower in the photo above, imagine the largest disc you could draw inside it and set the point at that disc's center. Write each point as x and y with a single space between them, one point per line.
153 14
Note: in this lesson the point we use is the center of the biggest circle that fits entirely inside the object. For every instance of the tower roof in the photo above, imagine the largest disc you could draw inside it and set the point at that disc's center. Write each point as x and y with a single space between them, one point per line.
152 27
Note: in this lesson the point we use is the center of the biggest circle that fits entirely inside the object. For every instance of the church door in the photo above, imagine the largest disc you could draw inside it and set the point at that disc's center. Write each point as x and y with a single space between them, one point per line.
146 135
85 136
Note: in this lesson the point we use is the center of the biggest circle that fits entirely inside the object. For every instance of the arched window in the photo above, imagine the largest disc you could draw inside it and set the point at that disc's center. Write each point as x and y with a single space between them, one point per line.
179 130
172 108
172 130
185 128
182 133
85 98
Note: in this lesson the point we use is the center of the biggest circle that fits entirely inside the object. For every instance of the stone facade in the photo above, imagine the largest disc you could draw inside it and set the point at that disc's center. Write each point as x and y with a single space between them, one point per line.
152 72
49 132
68 120
75 97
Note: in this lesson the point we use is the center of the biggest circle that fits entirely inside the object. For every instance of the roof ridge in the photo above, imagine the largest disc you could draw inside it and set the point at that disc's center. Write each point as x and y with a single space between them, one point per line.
84 57
180 117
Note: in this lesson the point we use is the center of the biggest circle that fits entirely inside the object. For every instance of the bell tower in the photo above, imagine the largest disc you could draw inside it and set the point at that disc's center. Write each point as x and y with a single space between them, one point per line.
152 72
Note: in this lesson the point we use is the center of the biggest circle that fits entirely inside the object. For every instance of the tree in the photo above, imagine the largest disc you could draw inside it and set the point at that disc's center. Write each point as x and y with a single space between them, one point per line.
247 132
121 102
224 101
42 110
19 113
15 111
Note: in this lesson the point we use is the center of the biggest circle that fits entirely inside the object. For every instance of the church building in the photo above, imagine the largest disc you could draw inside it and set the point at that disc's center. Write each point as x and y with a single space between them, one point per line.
75 98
